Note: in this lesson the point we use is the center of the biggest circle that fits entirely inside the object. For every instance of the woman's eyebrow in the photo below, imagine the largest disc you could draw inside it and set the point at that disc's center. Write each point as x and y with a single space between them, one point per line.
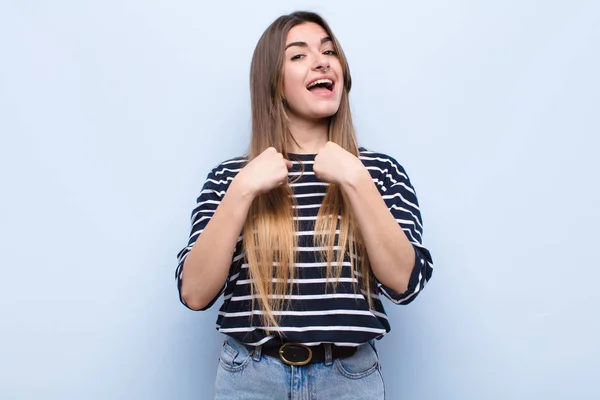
303 44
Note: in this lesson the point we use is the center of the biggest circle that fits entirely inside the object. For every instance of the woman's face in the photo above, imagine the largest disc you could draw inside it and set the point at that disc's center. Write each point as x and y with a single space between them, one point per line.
312 73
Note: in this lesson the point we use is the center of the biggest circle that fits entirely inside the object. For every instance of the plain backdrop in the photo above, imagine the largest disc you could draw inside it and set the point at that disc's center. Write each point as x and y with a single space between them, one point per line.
113 112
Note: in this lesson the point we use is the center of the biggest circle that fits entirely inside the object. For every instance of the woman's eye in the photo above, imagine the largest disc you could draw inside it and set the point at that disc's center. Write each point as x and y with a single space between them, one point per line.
330 52
297 57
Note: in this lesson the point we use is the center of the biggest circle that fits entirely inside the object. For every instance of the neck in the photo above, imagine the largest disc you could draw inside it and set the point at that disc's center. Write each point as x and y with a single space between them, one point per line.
311 135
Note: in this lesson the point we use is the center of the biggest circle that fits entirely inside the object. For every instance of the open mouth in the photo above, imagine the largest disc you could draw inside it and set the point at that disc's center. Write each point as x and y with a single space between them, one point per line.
321 85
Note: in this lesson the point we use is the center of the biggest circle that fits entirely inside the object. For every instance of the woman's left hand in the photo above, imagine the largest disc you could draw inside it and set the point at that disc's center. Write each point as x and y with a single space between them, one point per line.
333 164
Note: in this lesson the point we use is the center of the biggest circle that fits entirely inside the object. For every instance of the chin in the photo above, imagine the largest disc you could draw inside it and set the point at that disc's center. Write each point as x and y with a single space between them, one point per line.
323 113
315 113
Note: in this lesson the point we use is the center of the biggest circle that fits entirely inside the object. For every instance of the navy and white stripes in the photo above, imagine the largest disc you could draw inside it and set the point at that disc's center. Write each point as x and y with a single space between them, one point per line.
316 315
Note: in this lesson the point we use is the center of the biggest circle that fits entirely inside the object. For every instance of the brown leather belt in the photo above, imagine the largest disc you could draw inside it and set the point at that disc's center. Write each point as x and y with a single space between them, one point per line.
298 354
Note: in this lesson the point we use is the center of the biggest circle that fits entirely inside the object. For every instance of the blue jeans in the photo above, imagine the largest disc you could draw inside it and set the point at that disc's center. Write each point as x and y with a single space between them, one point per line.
244 374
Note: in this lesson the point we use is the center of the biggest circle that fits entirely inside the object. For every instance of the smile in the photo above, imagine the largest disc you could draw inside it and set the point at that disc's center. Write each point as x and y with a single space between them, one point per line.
321 83
322 87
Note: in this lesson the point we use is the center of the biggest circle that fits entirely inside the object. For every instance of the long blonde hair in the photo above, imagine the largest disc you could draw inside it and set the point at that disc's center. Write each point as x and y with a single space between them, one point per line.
269 231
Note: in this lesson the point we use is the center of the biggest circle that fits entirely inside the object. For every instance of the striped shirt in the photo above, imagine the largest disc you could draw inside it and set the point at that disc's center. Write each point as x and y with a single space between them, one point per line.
315 315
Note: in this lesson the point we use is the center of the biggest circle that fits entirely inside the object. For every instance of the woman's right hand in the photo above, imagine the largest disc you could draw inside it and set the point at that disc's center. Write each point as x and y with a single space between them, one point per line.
267 171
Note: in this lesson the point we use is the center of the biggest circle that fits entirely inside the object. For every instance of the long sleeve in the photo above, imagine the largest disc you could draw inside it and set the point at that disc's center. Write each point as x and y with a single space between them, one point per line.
401 199
207 202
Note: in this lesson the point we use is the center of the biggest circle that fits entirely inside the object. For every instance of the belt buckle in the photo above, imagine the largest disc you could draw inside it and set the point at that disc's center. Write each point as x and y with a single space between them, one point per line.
295 363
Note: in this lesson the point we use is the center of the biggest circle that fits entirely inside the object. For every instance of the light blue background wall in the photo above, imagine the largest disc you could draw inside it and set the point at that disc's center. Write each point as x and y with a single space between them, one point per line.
112 113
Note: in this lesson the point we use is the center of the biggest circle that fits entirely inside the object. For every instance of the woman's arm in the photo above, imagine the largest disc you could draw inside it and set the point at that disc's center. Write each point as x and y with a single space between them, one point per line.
204 264
390 220
391 255
206 267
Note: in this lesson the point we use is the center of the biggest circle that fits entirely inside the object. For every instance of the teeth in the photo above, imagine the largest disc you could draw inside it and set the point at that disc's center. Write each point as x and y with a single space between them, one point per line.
327 81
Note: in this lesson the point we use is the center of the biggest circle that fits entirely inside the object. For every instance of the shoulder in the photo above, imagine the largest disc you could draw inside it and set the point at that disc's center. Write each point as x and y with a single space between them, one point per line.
229 167
221 175
382 162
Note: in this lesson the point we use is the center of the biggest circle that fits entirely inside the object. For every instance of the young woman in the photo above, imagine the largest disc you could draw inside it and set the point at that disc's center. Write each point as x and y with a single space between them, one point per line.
304 234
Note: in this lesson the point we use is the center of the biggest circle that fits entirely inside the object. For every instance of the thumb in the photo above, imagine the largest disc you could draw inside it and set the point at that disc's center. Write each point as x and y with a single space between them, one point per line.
288 163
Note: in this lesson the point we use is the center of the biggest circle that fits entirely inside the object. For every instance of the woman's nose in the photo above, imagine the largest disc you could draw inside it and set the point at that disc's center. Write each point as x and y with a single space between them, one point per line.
322 65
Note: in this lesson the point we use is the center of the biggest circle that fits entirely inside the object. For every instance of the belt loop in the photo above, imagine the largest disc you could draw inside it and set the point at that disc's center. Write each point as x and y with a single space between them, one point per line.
256 353
328 356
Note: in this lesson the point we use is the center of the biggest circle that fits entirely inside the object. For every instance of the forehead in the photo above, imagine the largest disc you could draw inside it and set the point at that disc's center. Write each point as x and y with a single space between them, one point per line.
307 32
